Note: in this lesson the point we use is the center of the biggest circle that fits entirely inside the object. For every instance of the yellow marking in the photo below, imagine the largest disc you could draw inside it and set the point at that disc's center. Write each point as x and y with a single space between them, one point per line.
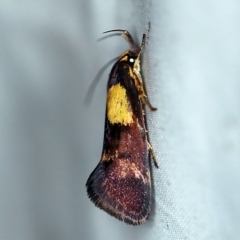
124 59
118 106
131 74
106 157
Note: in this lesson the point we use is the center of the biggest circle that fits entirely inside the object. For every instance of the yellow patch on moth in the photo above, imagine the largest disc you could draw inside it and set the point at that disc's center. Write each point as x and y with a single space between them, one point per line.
118 106
131 73
123 59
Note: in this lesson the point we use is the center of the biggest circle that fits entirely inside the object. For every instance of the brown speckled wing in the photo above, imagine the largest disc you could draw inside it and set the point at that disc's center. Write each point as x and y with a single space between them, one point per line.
121 183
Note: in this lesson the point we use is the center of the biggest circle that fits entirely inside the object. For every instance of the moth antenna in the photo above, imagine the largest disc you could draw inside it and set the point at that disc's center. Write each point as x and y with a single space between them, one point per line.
95 81
127 36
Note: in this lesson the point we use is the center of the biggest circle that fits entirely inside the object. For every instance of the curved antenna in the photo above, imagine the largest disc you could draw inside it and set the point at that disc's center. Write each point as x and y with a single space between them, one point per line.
127 36
95 81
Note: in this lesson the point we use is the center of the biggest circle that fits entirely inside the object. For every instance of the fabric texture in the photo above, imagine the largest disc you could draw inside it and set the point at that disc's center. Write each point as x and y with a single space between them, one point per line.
51 139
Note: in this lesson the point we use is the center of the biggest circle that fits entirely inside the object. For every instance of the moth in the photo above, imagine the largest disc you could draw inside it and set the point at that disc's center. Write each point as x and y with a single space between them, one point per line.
121 182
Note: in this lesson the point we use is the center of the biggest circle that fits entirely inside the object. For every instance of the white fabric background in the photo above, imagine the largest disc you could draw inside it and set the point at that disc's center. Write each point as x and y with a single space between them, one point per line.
50 140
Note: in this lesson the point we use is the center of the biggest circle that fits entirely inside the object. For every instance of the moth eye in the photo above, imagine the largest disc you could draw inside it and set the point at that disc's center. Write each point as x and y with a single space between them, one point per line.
131 60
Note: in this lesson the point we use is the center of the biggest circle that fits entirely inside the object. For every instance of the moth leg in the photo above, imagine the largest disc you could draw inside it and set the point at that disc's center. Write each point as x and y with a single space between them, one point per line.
146 102
153 156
